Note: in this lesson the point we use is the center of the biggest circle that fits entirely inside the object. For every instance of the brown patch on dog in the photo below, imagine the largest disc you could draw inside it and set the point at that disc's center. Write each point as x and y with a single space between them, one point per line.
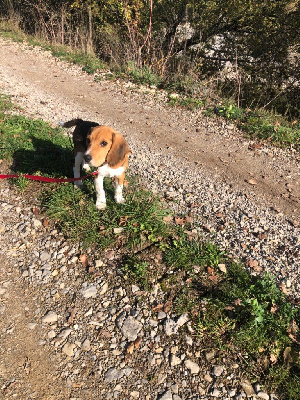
107 145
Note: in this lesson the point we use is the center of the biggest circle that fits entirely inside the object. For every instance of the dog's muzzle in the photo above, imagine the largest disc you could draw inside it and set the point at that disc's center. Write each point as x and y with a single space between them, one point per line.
87 158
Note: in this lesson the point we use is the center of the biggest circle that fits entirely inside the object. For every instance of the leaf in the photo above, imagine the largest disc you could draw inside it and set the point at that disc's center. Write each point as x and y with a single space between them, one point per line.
36 210
72 316
273 358
137 342
46 222
179 220
84 260
130 348
158 307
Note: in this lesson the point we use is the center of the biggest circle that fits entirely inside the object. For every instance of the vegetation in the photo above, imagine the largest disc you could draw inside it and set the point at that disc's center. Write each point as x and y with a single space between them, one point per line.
245 318
246 50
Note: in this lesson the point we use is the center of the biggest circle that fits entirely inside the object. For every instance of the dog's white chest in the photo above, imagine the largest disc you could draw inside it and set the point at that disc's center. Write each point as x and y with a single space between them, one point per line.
106 170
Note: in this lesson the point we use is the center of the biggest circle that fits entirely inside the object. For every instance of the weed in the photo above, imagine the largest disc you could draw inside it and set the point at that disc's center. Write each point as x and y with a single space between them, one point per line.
184 253
137 269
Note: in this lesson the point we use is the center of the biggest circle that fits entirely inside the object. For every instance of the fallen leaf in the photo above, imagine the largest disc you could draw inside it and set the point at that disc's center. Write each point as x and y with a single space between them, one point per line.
283 288
130 348
72 316
273 359
158 307
36 210
167 306
273 309
179 220
46 222
255 146
123 220
237 302
84 260
137 342
168 219
250 262
211 271
106 334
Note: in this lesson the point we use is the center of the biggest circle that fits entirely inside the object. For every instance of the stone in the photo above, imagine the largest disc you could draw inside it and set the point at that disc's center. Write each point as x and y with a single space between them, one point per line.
49 317
113 374
103 289
89 291
86 345
166 396
247 387
174 360
192 366
68 349
44 256
263 395
218 370
131 328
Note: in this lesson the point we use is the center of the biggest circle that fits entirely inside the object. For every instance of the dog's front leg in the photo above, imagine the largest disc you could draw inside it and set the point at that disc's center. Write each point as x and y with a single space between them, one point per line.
119 189
76 168
100 193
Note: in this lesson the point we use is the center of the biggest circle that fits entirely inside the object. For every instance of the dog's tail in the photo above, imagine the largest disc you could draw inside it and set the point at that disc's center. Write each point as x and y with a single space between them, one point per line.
69 124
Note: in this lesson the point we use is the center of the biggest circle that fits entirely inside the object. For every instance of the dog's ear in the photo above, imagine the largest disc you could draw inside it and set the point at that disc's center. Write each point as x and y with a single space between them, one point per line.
118 150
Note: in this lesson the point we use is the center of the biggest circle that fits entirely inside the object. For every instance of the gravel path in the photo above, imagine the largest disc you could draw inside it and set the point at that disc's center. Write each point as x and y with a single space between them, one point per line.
103 337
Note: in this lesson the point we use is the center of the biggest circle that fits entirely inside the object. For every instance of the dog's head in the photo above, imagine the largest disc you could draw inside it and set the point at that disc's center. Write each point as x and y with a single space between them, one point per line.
105 145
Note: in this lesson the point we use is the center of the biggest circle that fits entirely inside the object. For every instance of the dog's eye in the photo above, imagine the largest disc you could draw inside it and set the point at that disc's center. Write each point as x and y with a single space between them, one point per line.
103 144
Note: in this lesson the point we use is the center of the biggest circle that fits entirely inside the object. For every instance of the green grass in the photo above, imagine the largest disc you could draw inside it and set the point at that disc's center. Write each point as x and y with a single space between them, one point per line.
138 221
262 125
233 311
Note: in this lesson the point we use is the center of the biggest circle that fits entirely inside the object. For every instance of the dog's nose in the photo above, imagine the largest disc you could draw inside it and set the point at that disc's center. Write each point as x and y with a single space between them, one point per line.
87 158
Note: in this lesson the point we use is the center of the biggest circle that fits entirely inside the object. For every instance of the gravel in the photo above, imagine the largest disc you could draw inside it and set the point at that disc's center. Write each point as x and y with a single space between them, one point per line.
106 329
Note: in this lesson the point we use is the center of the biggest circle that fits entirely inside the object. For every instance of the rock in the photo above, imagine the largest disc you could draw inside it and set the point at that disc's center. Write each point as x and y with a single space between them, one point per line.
31 325
63 335
218 370
89 291
192 366
215 393
189 340
171 327
262 395
174 360
103 289
166 396
49 317
113 374
161 315
44 256
247 387
68 349
131 328
86 345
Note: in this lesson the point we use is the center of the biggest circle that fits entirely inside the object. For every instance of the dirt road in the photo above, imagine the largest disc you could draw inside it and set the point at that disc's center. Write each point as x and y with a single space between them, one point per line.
213 146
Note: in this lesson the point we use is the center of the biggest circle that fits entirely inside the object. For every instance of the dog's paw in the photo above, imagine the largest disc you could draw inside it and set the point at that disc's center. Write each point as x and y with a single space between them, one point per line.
61 123
86 167
119 198
100 205
78 185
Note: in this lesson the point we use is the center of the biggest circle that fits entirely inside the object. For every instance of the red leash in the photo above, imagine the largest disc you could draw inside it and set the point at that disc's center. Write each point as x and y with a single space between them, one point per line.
44 179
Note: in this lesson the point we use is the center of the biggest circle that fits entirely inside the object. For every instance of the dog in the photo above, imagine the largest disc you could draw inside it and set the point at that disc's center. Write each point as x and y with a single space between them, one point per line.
102 147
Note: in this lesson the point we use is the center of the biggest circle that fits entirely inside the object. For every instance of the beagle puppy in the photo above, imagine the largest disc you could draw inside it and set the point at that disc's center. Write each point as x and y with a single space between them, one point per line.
101 147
